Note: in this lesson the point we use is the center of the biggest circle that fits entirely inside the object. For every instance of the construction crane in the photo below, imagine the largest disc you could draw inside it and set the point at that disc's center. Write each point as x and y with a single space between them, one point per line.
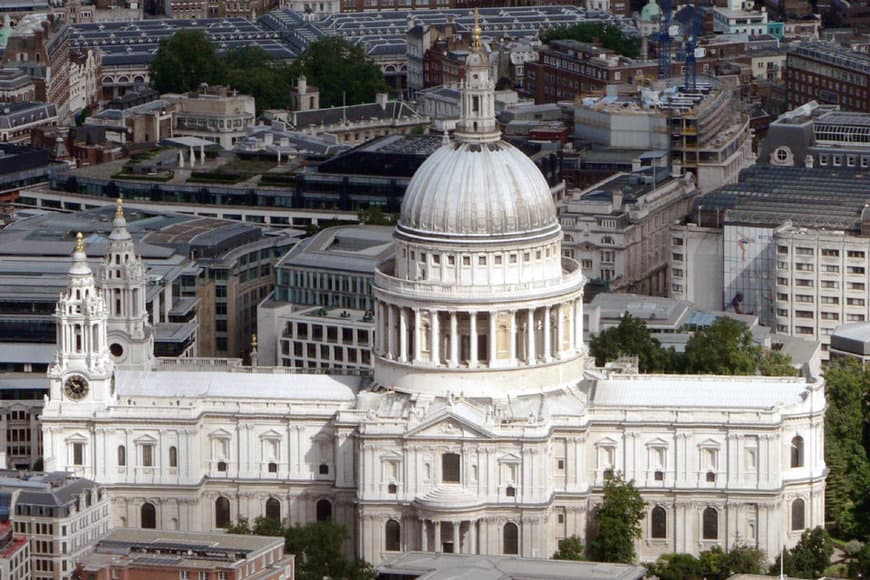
666 34
690 17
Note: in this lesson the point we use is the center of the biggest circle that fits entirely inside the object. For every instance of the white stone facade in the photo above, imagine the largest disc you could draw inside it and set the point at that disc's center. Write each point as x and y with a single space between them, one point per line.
484 431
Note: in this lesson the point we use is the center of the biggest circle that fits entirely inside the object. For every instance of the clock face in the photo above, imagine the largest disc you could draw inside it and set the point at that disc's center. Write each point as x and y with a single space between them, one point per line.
76 387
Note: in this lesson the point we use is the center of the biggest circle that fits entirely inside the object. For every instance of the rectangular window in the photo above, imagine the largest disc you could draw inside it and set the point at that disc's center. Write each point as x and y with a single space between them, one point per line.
78 453
147 456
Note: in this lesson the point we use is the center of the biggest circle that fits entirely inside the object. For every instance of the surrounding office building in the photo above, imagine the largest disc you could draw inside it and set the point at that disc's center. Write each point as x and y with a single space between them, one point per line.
212 113
481 430
14 554
829 74
815 135
618 229
320 314
851 341
792 246
61 516
166 555
17 120
740 17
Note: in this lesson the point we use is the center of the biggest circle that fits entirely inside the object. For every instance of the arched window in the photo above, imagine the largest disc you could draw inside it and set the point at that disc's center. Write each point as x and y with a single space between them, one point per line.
659 520
148 516
797 514
273 509
324 510
797 451
711 524
393 536
122 456
173 457
221 512
511 538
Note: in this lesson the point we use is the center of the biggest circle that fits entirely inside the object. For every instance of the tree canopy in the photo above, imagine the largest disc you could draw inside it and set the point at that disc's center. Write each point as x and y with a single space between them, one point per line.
810 556
570 548
724 348
712 564
617 522
609 36
847 448
342 71
317 547
184 61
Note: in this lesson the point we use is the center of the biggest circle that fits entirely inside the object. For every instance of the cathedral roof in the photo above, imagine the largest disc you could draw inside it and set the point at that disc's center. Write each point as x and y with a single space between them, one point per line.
225 385
708 391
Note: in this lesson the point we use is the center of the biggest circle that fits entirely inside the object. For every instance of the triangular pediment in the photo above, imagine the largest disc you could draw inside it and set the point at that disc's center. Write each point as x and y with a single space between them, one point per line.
709 443
657 442
606 442
270 434
456 422
510 458
220 434
145 439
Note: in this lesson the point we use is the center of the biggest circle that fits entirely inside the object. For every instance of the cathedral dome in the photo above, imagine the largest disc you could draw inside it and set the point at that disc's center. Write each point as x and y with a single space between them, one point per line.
478 190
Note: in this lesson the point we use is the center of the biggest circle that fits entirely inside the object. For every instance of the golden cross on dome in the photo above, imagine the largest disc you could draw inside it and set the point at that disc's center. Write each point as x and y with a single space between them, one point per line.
120 211
80 242
475 32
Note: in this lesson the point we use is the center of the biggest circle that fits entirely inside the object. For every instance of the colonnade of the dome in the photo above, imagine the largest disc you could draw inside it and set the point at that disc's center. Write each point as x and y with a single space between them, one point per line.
492 338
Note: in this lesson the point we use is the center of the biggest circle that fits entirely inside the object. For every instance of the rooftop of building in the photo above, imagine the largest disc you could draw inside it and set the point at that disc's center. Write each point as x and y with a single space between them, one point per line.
362 113
653 310
818 197
356 249
630 187
52 489
162 548
21 113
262 383
832 53
438 566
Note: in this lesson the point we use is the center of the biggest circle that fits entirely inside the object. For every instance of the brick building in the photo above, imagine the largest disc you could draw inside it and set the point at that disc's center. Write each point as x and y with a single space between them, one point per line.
829 74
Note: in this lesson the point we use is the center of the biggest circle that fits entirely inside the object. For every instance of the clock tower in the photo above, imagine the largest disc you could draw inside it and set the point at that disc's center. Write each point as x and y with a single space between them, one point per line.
122 282
81 376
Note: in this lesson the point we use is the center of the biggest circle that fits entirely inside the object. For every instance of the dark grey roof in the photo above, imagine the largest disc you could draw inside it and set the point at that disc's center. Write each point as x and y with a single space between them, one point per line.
55 489
343 248
810 197
354 113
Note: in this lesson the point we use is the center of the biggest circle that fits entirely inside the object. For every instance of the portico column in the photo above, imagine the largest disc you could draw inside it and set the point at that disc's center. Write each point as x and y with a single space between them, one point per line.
530 336
492 341
417 326
472 339
560 331
424 537
472 532
548 352
403 335
454 341
436 337
437 526
513 335
391 335
456 537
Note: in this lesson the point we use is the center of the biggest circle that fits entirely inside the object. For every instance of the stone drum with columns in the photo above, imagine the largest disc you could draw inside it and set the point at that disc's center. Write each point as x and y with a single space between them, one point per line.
485 428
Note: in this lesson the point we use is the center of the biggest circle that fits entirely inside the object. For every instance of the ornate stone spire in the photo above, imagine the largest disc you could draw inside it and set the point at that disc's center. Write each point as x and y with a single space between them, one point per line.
119 224
477 122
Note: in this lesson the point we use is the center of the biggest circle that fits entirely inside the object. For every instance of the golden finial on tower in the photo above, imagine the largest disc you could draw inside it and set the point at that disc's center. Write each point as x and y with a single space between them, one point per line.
475 32
254 341
80 242
120 211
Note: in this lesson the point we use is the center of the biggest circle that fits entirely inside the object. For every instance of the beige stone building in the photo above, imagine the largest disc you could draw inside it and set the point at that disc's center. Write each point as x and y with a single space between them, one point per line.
212 113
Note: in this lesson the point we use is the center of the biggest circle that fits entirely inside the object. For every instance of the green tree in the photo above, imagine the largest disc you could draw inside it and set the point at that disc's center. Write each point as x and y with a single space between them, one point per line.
242 527
847 447
374 215
742 559
724 348
570 548
618 521
264 526
812 554
342 72
713 563
251 71
608 35
676 567
629 338
317 547
184 61
772 363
